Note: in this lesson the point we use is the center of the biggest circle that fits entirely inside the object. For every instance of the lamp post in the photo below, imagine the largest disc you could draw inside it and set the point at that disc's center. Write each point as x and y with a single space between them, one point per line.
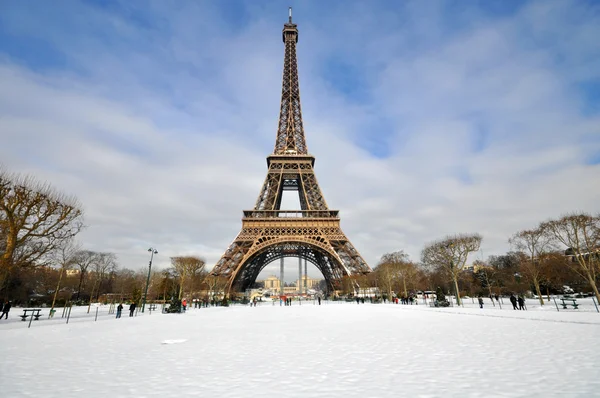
152 253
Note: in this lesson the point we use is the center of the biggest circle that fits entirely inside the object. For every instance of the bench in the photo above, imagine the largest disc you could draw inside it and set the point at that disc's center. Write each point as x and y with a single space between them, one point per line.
152 307
566 300
35 312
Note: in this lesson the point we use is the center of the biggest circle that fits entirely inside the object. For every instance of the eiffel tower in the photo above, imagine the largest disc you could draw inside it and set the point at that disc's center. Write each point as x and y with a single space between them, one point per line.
270 233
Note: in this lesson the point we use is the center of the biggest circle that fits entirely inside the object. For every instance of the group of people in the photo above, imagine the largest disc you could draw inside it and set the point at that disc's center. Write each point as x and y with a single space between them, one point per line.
5 309
520 300
132 307
406 300
199 303
517 300
285 300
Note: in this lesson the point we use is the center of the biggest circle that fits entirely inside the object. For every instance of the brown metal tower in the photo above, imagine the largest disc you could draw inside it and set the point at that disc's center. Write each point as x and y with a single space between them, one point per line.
269 233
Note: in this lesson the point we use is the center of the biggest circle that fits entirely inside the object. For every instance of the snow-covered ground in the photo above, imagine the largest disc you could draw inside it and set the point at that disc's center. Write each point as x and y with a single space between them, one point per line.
332 350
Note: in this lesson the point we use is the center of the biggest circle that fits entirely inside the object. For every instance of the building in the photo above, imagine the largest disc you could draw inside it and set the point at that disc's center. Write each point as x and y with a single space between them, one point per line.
368 292
307 283
72 272
272 283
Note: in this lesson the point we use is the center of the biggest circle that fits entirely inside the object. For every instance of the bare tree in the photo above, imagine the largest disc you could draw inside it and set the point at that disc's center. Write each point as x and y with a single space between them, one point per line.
34 220
103 264
187 267
83 260
580 234
450 254
386 276
399 268
534 243
215 284
64 257
485 274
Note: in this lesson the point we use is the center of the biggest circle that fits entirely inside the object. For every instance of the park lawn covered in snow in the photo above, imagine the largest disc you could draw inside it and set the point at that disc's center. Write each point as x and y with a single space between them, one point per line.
332 350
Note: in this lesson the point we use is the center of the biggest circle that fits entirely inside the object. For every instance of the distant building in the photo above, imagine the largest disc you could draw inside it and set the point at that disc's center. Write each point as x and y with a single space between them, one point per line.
479 267
71 272
272 283
469 268
306 283
368 292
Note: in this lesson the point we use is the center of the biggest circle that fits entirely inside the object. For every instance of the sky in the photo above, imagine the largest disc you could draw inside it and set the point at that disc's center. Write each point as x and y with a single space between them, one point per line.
426 118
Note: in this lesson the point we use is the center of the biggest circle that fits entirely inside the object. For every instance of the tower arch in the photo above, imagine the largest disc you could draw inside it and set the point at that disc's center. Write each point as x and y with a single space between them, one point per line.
324 259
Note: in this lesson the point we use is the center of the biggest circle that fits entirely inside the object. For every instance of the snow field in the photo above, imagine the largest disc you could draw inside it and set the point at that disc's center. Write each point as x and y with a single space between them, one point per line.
330 350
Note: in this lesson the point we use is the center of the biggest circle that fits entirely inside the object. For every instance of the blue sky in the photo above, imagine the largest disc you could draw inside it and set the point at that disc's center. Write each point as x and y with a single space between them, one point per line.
426 118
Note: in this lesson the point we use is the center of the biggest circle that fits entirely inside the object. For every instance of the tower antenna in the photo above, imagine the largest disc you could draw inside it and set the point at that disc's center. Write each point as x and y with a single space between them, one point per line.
290 13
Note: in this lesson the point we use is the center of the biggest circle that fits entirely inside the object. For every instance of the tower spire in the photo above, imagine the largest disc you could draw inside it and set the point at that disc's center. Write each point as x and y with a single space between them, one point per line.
290 132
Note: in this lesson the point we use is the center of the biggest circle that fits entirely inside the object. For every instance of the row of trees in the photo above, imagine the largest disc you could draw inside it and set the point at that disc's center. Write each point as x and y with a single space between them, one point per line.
40 261
85 276
38 226
557 253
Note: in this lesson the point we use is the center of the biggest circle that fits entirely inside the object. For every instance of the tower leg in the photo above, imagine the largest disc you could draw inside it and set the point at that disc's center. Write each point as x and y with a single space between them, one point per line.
305 277
281 277
299 275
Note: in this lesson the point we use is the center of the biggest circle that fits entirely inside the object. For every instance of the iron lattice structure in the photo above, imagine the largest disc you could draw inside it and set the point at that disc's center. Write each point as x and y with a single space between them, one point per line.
269 233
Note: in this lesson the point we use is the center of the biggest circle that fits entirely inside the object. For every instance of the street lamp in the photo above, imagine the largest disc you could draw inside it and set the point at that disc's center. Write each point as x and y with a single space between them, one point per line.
152 253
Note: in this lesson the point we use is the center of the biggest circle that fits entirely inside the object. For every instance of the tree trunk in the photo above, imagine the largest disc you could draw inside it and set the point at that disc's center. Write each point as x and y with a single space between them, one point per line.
181 288
536 283
404 282
81 276
456 290
594 287
4 278
6 261
98 289
92 296
57 287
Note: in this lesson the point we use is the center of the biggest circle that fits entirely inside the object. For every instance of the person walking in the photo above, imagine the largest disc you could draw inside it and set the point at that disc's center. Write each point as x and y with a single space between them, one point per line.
6 309
319 299
480 300
184 304
521 302
119 310
513 301
131 309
